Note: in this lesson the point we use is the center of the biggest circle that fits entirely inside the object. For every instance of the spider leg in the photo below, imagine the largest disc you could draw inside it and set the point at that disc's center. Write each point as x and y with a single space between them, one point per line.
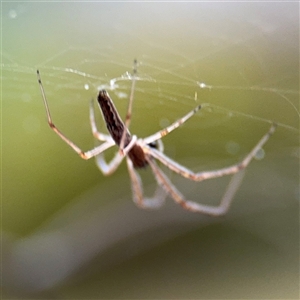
137 191
185 172
83 154
219 210
109 168
129 109
170 128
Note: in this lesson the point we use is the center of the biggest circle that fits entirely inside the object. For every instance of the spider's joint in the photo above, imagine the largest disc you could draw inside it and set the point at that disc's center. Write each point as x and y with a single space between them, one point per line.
83 155
164 133
125 150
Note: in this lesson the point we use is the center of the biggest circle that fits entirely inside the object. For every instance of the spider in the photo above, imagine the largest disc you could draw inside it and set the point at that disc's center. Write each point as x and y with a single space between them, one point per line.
142 152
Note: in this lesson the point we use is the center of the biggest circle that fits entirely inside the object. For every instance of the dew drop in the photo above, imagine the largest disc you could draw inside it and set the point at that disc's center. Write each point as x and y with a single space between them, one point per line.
260 154
232 148
12 14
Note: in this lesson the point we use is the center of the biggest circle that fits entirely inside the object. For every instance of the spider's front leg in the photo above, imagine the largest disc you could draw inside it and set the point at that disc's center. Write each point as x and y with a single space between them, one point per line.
83 154
200 176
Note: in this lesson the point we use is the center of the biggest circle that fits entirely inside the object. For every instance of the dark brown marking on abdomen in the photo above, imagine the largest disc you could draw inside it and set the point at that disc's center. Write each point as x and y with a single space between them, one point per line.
114 123
115 126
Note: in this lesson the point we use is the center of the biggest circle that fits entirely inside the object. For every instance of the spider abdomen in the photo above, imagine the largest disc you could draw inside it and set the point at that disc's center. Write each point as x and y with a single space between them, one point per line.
114 123
116 127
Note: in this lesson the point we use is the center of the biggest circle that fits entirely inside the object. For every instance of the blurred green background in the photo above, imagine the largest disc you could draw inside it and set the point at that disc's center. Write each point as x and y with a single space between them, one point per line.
68 231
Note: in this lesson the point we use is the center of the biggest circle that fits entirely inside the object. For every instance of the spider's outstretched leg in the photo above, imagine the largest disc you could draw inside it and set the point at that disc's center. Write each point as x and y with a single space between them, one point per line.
185 172
137 191
156 136
219 210
83 154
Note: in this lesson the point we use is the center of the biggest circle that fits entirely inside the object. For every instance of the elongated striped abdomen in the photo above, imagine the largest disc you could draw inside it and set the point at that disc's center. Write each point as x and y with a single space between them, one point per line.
114 123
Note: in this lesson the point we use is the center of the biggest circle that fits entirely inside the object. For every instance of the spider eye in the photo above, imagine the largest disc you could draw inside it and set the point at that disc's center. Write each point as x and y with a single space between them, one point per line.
153 145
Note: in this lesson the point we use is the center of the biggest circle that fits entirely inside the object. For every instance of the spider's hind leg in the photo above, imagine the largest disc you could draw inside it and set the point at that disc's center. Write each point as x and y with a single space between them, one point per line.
219 210
137 191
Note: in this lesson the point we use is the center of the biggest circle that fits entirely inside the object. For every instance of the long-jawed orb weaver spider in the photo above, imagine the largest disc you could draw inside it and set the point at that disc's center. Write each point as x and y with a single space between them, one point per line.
140 153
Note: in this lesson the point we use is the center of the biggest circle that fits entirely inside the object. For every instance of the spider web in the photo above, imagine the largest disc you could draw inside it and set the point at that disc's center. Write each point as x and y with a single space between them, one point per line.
238 60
